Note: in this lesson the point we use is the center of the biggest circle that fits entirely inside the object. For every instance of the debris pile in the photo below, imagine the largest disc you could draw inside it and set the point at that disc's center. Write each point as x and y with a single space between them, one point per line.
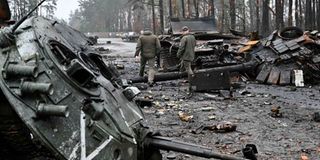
290 56
287 57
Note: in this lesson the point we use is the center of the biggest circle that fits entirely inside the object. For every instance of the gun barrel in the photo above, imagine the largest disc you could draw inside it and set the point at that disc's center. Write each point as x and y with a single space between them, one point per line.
161 77
177 75
163 143
233 68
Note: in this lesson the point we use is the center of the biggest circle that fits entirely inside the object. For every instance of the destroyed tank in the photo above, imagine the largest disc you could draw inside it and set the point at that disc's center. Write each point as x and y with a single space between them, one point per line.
57 97
60 100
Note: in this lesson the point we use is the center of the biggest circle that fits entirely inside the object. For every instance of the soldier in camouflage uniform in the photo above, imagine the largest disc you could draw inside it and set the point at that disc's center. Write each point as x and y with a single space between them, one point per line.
148 46
186 51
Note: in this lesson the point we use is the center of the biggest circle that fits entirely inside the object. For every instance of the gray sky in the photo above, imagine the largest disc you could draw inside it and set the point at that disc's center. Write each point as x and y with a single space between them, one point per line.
64 7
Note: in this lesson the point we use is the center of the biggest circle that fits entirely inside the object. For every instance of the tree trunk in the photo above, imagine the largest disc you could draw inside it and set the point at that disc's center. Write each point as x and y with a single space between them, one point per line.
313 14
189 9
129 25
279 14
196 7
121 20
170 8
153 17
251 15
265 18
211 8
138 23
232 14
290 13
300 14
213 14
161 16
176 12
308 14
244 16
296 13
258 15
183 9
318 15
222 17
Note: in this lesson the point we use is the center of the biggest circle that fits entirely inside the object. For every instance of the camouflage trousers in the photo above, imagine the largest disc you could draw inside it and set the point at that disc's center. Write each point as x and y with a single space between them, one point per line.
151 63
186 66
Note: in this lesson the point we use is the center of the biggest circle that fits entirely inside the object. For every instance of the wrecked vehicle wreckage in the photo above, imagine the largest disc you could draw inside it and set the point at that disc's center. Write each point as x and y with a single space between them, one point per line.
212 49
61 101
286 57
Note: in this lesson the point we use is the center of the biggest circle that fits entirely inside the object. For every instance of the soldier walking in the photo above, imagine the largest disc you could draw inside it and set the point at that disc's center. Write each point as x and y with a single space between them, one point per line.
148 47
186 52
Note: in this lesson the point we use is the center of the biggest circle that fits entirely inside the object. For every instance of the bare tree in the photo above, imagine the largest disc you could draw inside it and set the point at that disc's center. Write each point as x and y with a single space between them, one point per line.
308 14
211 12
279 14
318 14
254 15
290 13
232 12
222 16
296 13
258 15
265 28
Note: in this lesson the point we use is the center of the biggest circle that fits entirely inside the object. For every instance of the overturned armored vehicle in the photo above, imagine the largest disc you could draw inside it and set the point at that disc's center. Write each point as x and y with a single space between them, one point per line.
59 100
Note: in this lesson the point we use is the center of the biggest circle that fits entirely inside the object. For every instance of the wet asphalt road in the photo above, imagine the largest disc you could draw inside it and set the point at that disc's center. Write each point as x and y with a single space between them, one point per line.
117 47
288 137
276 138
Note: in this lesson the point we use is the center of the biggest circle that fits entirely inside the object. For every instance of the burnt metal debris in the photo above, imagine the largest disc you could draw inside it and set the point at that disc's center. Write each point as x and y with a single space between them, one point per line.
281 56
250 151
316 117
212 49
286 57
62 101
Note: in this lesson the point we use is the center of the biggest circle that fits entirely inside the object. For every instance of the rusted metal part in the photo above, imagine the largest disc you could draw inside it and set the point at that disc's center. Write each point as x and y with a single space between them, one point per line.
285 53
264 74
207 81
274 76
285 77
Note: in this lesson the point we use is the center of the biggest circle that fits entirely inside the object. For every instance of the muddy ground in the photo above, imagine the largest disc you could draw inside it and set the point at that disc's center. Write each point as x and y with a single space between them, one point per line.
288 137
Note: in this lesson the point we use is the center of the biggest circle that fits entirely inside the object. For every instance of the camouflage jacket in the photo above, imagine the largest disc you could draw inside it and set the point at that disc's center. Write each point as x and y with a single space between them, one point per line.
186 48
148 45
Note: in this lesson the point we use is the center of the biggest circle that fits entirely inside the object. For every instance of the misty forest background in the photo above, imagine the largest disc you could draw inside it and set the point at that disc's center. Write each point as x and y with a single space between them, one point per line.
246 16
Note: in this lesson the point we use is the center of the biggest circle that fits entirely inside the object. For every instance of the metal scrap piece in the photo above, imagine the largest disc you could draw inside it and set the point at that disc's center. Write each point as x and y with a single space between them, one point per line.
274 76
264 74
285 77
